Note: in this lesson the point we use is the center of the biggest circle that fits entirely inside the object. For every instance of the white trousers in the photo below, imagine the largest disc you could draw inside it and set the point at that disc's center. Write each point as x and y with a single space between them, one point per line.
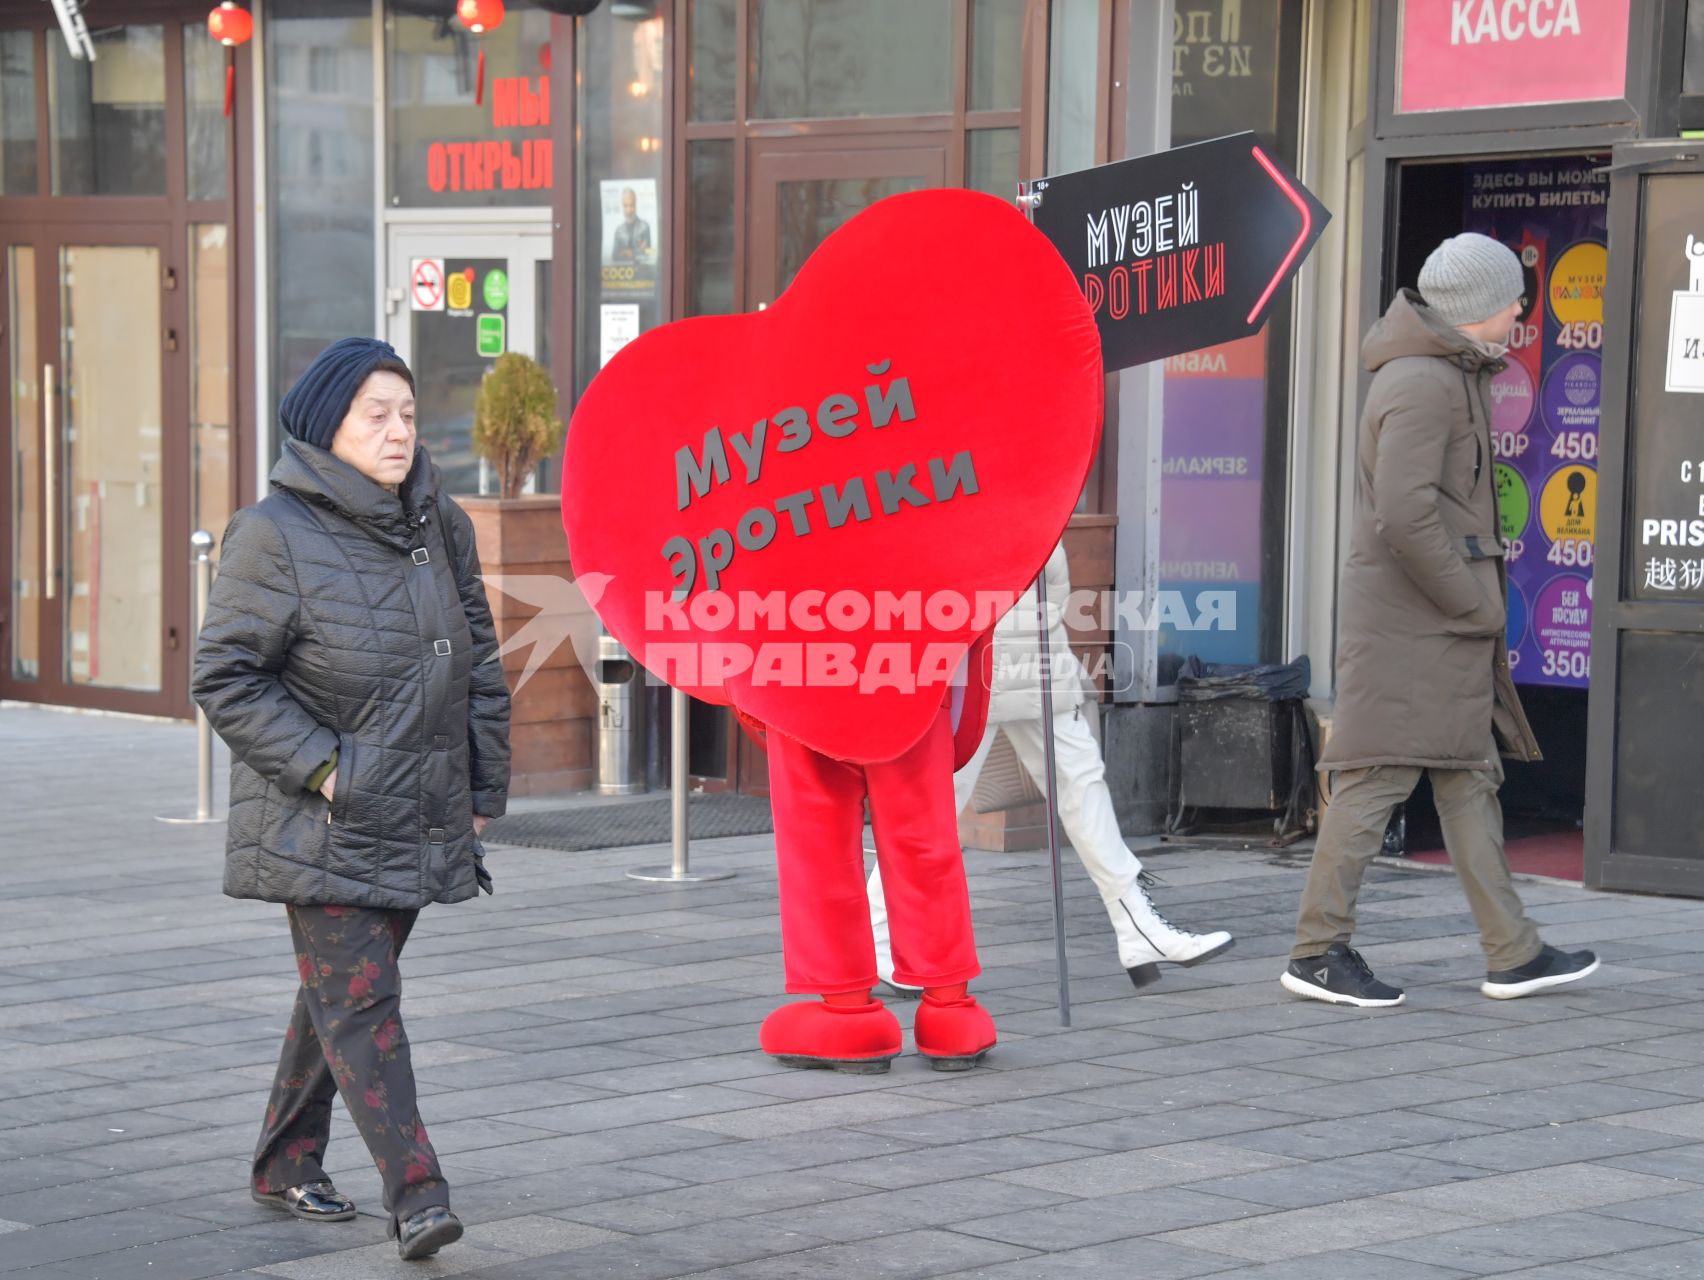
1085 809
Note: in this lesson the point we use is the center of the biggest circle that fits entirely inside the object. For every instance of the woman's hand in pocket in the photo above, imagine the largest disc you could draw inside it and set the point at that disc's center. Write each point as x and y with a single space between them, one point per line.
328 788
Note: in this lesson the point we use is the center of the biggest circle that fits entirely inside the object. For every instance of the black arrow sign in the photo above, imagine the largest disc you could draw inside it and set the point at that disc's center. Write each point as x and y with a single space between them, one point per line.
1180 250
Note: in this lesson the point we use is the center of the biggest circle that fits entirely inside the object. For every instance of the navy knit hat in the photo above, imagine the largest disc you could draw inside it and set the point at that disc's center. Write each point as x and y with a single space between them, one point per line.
315 407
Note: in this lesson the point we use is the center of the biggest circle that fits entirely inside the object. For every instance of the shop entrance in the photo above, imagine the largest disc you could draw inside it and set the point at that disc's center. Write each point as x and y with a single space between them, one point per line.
1552 210
96 362
457 299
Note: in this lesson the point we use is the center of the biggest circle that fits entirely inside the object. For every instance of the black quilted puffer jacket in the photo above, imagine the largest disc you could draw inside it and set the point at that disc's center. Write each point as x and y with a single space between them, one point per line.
346 617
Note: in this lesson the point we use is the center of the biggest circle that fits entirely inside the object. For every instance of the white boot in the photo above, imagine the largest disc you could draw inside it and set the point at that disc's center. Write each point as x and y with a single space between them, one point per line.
1146 939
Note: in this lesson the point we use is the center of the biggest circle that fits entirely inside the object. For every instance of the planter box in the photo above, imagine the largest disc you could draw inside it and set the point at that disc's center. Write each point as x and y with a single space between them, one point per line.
553 728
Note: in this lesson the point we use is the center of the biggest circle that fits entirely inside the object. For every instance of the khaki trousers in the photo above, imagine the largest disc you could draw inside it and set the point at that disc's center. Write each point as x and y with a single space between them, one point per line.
1352 832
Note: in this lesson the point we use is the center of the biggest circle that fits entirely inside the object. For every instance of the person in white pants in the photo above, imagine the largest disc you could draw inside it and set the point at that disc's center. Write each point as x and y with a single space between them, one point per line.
1146 939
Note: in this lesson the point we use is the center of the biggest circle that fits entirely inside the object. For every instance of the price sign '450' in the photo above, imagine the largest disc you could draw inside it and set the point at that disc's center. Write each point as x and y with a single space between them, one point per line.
1581 335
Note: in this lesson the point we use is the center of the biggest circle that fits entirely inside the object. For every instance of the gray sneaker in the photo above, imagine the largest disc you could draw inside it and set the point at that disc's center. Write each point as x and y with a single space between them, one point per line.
1339 976
1549 968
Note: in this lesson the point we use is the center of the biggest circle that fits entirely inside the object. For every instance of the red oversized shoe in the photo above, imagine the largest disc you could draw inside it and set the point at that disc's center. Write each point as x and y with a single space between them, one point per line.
860 1039
954 1034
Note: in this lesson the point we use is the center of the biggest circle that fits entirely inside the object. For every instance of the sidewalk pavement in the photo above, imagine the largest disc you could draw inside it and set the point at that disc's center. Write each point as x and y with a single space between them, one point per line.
586 1048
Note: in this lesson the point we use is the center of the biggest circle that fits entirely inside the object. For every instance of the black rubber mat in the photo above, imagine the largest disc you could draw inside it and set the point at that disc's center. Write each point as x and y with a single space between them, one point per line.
611 826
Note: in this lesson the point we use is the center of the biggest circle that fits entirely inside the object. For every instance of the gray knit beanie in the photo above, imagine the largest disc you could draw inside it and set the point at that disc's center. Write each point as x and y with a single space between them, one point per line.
1471 277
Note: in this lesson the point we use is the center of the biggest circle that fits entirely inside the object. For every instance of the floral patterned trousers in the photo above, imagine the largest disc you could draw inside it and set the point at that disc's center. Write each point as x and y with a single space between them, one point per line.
345 1036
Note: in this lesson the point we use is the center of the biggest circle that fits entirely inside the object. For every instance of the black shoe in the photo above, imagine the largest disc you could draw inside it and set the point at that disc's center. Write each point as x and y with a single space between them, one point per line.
1339 976
1549 968
314 1201
423 1233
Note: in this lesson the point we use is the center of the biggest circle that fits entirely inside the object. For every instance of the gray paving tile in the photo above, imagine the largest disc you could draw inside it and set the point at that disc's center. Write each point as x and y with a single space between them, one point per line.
1512 1246
1533 1193
1329 1181
94 1234
1296 1233
1552 1144
1084 1222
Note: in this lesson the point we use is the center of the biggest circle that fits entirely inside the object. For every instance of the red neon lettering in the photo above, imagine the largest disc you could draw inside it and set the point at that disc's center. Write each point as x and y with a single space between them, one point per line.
1191 286
1165 277
1140 271
492 162
1214 268
505 104
1094 292
1118 292
437 167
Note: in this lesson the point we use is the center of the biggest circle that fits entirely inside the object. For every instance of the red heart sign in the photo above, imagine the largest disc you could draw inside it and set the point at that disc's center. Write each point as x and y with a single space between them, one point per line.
810 512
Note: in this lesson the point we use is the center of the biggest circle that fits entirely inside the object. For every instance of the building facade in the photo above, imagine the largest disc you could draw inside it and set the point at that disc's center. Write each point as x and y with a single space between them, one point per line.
585 171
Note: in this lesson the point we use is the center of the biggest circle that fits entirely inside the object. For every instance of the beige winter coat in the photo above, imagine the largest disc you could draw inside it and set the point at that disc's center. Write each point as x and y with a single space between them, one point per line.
1422 665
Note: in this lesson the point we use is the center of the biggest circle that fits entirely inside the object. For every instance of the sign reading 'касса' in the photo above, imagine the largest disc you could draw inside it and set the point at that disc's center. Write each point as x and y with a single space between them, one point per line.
1180 250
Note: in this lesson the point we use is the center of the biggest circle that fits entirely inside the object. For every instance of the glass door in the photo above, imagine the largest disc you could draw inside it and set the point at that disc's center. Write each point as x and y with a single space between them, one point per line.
800 193
457 300
94 612
801 190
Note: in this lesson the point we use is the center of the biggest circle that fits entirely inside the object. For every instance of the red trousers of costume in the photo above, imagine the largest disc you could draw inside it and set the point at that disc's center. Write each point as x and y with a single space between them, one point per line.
819 848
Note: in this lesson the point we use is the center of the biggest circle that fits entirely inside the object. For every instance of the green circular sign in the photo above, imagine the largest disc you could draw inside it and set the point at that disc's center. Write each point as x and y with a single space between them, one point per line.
496 289
1514 500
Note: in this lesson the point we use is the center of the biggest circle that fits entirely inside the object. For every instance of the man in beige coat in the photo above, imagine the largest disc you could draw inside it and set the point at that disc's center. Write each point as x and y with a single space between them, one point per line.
1423 677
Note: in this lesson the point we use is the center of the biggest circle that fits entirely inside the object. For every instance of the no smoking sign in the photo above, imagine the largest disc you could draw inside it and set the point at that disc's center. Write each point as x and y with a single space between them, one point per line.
426 284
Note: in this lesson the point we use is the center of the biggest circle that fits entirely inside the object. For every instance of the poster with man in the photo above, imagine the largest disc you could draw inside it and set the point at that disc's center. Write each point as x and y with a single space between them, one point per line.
630 227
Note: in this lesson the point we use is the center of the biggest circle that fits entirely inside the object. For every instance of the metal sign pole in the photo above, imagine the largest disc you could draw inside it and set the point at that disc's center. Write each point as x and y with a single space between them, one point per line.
1029 198
679 872
201 559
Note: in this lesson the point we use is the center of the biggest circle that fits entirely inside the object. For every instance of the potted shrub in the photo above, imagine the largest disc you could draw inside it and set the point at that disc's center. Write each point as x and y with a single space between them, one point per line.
524 559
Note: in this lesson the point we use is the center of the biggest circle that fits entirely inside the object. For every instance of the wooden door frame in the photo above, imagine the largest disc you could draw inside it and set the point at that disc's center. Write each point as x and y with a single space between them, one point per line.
772 161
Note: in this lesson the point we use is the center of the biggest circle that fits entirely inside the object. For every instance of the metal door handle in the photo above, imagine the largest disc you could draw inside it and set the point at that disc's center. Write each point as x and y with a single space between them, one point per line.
50 452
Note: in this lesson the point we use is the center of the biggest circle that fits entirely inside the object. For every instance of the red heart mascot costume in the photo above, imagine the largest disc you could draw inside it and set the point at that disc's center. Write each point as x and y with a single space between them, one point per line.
815 514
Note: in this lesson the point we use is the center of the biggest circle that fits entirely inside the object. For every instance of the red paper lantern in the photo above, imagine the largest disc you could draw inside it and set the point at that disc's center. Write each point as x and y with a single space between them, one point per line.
230 26
480 16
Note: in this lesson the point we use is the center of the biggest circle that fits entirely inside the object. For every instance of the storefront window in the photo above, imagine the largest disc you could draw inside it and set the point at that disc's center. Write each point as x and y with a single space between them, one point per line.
1073 47
444 148
210 378
1693 78
710 226
24 392
817 58
1223 488
621 235
204 114
996 54
991 161
17 113
109 116
319 116
715 60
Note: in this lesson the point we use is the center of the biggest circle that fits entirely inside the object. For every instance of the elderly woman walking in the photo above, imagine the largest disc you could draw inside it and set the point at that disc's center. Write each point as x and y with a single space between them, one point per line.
345 660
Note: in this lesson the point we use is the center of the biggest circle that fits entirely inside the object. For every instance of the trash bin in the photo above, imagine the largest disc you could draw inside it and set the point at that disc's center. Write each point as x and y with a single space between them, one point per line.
620 683
1241 746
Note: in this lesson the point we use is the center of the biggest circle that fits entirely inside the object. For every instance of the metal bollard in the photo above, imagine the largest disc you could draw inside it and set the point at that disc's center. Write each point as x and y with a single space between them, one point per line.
679 872
201 559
